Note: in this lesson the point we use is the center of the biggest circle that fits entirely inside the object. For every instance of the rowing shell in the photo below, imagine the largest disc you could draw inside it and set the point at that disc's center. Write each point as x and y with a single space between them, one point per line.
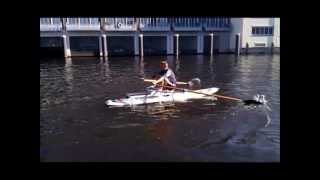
157 96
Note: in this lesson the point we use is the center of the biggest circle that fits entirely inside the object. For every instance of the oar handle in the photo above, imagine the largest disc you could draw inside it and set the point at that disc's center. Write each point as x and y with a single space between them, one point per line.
219 96
152 80
226 97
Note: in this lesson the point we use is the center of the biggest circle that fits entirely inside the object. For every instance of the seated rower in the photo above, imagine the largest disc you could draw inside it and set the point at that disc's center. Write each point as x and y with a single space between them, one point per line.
167 77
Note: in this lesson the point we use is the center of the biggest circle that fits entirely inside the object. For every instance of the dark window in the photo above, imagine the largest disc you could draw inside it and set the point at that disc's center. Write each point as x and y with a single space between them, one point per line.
257 31
271 30
262 31
254 30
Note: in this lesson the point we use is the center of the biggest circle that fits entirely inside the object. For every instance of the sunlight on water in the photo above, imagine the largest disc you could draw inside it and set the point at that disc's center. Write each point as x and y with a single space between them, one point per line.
74 119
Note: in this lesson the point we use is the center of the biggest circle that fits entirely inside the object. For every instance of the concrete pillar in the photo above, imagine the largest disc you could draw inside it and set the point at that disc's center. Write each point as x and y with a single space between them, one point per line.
200 43
141 45
211 44
66 46
247 48
169 43
136 44
100 46
177 44
105 45
237 45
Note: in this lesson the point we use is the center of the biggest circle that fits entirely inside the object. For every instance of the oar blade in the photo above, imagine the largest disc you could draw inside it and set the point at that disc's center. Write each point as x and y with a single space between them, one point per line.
194 83
251 102
257 100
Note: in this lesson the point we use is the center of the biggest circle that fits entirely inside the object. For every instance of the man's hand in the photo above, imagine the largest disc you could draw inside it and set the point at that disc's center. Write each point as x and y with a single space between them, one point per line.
157 81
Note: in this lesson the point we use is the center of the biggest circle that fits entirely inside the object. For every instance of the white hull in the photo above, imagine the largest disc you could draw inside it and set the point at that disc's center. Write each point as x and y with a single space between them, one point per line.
161 96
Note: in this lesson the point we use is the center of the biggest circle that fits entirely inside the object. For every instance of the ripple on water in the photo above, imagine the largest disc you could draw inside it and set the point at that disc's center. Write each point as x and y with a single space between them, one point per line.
72 100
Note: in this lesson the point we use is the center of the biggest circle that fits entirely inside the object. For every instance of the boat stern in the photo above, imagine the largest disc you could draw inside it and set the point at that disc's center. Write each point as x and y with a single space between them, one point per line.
114 103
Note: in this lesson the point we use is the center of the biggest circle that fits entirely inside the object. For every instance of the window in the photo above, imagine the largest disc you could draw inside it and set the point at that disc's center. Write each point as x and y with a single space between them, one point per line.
262 31
271 30
253 30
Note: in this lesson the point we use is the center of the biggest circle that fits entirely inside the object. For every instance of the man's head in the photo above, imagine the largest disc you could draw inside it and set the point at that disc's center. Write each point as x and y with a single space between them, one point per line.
164 65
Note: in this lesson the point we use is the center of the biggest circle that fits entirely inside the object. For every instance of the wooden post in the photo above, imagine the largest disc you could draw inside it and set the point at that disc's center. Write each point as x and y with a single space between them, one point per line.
177 44
237 44
141 45
211 44
66 46
105 47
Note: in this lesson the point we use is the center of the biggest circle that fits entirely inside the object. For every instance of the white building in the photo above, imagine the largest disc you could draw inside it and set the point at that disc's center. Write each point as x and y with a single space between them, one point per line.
256 34
159 35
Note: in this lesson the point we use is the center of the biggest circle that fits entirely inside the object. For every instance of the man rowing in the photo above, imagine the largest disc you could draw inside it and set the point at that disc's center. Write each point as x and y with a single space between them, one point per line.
167 77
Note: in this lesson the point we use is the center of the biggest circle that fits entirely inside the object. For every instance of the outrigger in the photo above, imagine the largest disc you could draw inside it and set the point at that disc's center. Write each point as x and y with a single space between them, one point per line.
155 95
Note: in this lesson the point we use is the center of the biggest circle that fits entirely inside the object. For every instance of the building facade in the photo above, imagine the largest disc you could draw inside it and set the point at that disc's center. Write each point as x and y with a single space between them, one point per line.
125 36
256 34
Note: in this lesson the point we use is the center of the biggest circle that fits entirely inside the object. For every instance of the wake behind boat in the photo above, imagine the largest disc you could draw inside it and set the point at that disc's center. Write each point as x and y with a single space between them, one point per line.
154 95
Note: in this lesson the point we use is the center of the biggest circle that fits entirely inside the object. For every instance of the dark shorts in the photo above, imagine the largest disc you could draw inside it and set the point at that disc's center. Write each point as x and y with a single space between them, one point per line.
169 87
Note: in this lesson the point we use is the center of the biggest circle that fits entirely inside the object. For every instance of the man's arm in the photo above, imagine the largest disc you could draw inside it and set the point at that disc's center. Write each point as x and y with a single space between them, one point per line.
159 80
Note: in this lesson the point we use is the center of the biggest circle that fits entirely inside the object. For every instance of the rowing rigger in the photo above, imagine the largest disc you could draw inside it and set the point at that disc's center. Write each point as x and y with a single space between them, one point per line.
258 99
154 95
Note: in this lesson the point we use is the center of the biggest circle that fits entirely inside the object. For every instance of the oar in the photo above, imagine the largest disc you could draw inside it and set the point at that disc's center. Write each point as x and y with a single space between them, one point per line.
152 80
246 102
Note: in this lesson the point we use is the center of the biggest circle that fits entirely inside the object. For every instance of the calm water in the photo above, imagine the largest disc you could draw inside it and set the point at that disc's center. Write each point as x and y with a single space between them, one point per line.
76 125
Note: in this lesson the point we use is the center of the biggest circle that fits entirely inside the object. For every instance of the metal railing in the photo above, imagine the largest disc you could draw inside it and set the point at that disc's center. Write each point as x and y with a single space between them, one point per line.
50 24
120 24
211 24
186 24
82 24
132 24
154 24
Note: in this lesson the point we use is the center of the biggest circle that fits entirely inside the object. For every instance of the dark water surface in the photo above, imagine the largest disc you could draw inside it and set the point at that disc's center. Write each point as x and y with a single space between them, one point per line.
76 125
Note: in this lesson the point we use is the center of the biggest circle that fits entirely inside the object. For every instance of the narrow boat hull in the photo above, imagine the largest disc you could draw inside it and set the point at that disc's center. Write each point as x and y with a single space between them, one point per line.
161 96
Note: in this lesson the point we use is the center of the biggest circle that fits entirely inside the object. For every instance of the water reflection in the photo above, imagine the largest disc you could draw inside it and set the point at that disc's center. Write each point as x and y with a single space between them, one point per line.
170 60
106 70
177 65
197 130
69 74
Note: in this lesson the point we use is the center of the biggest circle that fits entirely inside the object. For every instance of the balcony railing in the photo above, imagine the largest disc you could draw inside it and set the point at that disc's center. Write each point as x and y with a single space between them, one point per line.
50 24
216 24
120 24
154 24
132 24
186 24
83 24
